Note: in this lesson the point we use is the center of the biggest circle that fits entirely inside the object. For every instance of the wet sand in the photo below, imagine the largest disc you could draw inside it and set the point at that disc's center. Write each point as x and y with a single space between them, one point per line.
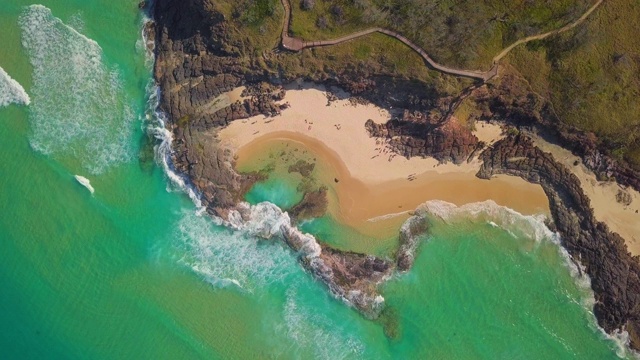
379 209
376 189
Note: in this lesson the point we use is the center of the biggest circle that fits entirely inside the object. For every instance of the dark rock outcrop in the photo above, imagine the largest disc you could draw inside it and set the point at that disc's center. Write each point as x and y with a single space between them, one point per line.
313 205
196 63
417 134
614 273
410 234
356 277
512 100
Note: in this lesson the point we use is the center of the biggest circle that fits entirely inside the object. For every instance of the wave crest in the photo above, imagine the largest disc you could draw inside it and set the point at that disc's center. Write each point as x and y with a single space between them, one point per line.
11 92
517 224
80 110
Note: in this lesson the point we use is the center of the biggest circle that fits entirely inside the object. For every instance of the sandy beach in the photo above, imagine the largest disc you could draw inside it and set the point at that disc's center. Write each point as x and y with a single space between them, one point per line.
621 218
376 189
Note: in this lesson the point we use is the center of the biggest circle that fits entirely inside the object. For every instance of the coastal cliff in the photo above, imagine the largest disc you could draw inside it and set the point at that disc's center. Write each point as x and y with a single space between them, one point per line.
197 61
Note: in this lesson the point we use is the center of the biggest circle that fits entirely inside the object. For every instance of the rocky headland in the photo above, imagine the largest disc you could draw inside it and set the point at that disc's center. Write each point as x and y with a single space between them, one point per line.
197 62
614 273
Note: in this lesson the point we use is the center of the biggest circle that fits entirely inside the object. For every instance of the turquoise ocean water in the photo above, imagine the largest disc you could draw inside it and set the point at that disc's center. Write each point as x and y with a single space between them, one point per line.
133 271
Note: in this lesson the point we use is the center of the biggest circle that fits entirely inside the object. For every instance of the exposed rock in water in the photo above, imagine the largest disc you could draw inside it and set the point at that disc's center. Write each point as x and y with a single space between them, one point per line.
614 273
302 167
410 234
356 277
350 276
313 205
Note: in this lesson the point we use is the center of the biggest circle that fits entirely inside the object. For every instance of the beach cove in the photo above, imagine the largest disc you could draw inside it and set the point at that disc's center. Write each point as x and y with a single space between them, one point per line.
136 270
371 189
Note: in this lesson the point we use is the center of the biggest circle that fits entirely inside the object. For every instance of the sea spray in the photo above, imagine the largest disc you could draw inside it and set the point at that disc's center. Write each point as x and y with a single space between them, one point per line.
89 119
224 257
235 259
527 226
11 92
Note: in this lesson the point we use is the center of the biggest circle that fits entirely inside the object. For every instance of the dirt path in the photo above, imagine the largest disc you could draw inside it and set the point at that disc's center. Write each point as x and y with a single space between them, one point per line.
296 44
547 34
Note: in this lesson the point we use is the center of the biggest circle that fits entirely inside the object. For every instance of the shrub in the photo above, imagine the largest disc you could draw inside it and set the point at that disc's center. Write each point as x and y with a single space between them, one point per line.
308 4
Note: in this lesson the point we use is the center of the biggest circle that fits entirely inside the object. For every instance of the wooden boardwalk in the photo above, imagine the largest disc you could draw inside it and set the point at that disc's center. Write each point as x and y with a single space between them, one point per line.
296 44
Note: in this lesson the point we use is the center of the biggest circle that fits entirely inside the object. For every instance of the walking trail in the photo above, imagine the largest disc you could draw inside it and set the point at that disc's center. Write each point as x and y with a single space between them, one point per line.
297 44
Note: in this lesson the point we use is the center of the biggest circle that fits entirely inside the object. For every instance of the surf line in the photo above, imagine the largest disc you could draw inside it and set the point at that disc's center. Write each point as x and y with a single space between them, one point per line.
84 182
11 92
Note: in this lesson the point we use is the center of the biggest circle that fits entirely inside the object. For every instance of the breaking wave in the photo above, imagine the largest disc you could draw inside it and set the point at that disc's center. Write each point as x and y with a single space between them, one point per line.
518 225
224 257
80 110
11 92
528 227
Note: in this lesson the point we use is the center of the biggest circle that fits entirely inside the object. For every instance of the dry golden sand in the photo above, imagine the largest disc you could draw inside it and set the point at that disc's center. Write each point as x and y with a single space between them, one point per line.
620 218
374 194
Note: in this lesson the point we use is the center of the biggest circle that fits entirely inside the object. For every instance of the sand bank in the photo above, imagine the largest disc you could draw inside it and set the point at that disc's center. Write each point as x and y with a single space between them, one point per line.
621 218
376 189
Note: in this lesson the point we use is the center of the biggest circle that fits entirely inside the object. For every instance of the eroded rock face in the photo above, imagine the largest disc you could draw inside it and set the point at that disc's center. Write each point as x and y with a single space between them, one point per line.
512 99
195 65
417 134
356 277
614 273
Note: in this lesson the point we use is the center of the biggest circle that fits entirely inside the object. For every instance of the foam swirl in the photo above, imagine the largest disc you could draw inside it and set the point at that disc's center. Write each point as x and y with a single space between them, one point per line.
80 112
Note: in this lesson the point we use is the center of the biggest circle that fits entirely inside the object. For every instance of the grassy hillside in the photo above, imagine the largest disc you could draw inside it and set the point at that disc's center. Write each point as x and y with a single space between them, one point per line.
592 76
466 34
590 73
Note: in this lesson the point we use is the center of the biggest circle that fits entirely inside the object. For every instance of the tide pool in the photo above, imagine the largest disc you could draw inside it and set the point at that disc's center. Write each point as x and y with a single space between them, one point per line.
134 272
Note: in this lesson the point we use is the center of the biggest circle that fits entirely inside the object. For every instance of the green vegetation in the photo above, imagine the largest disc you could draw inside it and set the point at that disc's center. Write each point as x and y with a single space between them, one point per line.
183 121
591 76
464 34
377 54
255 12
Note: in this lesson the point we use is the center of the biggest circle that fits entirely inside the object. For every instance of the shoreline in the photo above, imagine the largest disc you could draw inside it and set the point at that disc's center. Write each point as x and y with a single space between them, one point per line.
374 194
209 167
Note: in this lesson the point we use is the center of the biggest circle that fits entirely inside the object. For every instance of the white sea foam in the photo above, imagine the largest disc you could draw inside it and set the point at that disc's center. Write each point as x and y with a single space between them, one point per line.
224 257
240 259
530 227
11 92
266 220
85 182
156 126
80 110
